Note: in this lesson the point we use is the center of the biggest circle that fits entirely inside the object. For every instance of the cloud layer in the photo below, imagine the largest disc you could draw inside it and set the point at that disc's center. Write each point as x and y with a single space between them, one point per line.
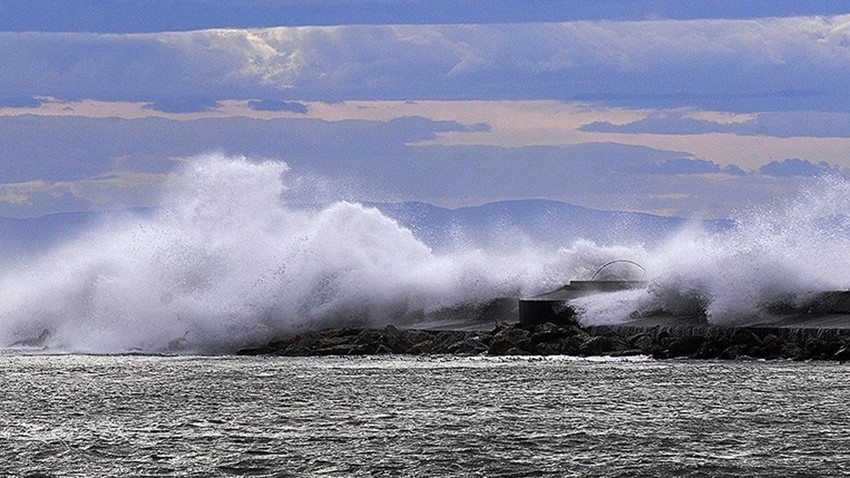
780 125
108 163
738 65
136 16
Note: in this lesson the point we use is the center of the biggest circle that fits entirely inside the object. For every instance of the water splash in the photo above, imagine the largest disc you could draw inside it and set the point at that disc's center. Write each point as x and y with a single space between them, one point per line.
228 264
777 256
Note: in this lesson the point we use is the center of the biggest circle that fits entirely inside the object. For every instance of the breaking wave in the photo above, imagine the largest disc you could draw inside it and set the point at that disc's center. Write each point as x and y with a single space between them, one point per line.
227 263
777 257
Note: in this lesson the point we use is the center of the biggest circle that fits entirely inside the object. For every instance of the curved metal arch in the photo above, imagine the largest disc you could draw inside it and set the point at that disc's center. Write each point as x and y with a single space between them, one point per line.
620 261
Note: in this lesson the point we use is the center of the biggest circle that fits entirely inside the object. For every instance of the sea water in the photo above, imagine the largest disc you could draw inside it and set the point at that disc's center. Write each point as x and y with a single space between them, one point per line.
190 416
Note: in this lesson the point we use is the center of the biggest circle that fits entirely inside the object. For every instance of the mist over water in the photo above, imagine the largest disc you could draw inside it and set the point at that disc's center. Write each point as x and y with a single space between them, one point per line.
228 264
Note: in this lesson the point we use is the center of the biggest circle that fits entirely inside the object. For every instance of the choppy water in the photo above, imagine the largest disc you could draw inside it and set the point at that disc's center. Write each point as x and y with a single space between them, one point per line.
70 416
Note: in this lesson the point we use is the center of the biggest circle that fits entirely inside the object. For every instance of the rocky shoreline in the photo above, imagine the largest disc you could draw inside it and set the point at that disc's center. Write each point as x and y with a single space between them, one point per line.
551 339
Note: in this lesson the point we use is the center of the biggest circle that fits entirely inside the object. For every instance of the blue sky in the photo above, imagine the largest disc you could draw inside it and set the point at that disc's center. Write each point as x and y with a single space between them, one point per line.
685 108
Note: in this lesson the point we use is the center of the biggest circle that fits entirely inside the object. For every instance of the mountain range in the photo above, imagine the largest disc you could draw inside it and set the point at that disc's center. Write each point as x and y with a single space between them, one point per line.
541 222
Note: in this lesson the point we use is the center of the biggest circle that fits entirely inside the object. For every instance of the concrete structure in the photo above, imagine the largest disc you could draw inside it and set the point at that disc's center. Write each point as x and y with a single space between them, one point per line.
554 306
823 310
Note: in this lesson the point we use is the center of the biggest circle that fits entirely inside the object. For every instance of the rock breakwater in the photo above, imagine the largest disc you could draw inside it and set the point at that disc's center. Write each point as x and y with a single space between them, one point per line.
551 339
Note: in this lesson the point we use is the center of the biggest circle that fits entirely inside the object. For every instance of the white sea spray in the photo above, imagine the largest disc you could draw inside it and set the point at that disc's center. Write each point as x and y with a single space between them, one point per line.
226 263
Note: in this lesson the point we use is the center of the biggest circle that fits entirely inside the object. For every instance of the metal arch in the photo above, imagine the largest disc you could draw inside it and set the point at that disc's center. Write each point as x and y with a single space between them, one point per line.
619 261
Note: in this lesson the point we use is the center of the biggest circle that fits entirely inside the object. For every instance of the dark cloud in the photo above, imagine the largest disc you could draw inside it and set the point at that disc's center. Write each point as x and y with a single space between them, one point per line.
381 158
800 123
734 170
133 16
792 64
778 124
688 166
183 105
79 147
657 123
278 105
796 167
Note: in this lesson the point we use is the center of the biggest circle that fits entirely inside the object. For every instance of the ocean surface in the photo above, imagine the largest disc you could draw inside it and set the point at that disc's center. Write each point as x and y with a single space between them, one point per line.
85 416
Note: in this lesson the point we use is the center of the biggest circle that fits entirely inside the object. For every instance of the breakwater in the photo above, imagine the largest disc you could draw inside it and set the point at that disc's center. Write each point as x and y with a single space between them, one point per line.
662 342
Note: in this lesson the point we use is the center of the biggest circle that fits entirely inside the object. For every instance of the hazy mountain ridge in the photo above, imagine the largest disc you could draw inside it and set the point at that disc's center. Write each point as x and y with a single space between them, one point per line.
538 221
531 221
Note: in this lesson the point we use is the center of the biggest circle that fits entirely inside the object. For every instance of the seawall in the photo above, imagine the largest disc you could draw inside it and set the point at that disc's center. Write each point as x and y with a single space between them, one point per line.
659 341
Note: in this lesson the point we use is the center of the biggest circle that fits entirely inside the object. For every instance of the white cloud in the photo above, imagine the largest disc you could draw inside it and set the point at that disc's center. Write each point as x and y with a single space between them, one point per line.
20 193
782 61
106 191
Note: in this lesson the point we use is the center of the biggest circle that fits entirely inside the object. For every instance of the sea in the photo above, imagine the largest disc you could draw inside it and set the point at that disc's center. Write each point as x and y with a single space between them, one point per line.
116 345
438 416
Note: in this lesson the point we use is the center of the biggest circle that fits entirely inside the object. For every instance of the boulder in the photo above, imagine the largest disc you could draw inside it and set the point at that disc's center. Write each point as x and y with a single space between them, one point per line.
645 344
468 346
444 339
733 352
422 348
415 336
684 346
547 332
550 348
508 338
597 345
342 349
710 349
499 347
771 346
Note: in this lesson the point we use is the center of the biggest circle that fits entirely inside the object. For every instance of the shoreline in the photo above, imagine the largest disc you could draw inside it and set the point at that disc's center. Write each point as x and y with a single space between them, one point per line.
707 342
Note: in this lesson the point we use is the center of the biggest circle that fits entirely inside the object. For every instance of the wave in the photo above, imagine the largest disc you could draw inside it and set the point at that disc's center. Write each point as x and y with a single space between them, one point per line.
778 256
229 264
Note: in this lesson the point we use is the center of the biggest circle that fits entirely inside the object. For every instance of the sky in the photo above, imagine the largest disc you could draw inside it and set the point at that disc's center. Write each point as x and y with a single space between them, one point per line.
687 108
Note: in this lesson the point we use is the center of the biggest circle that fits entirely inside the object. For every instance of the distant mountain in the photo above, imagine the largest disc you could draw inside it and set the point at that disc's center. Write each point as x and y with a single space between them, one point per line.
22 236
541 222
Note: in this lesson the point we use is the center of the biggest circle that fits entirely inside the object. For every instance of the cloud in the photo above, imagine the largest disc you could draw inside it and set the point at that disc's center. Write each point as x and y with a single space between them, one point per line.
688 166
156 15
111 190
20 193
183 105
278 105
78 148
784 124
797 167
86 163
659 123
82 162
755 65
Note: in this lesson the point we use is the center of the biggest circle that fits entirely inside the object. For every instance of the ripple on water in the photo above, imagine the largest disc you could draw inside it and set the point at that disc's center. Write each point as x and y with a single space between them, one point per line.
76 416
